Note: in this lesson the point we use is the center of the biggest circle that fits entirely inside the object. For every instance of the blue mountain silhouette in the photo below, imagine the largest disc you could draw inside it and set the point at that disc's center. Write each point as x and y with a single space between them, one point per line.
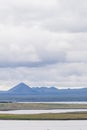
21 88
24 93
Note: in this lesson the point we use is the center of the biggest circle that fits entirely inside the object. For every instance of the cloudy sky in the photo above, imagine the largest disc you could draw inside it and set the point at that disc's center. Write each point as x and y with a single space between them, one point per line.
43 43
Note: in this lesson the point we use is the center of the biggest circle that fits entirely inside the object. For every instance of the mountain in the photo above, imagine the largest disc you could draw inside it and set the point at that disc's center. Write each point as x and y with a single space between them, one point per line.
45 90
24 93
21 88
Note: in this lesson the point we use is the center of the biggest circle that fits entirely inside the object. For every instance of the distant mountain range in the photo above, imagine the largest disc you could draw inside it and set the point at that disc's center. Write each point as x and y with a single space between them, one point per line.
25 89
24 93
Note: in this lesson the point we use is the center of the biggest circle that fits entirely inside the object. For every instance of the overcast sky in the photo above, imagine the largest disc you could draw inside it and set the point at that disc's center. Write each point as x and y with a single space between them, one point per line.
43 43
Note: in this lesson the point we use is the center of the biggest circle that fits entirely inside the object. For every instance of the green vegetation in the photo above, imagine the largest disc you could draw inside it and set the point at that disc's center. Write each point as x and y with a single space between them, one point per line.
39 106
50 116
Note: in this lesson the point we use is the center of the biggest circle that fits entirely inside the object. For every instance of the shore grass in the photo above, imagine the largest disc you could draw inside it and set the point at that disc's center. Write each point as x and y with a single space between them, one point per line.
47 116
39 106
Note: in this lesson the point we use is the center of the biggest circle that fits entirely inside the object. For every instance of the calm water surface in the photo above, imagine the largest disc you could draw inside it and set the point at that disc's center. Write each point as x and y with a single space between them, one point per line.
42 111
43 125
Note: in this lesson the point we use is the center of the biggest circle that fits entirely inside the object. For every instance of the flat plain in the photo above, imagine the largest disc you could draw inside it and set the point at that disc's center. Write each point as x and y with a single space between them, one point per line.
43 106
40 106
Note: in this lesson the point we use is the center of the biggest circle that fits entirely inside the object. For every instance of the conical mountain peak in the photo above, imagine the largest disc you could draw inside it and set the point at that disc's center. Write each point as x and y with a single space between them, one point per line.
22 84
20 88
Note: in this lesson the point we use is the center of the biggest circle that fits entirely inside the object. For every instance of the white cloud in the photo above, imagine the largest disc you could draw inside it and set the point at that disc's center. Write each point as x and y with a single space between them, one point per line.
43 42
71 16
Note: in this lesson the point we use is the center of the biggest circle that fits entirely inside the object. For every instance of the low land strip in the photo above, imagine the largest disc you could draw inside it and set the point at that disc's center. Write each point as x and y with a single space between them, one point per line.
47 116
40 106
43 106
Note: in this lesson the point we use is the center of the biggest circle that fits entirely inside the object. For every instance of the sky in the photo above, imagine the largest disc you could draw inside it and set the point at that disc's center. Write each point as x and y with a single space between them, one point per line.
43 43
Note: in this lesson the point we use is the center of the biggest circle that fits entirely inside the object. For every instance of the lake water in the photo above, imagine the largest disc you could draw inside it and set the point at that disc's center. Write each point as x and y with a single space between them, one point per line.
43 125
42 111
58 102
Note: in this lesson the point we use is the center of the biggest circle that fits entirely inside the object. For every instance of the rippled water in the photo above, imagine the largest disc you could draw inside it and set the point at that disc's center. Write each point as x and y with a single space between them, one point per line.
43 125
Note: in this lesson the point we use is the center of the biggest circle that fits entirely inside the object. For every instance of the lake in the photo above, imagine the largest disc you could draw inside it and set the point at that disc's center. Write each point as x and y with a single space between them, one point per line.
42 111
79 102
43 125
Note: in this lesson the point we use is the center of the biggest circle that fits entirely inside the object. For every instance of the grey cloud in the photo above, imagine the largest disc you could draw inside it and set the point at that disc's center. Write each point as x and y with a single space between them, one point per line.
31 47
46 60
60 75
